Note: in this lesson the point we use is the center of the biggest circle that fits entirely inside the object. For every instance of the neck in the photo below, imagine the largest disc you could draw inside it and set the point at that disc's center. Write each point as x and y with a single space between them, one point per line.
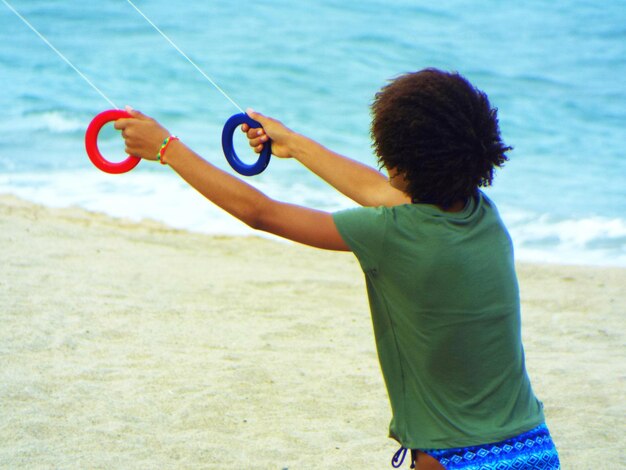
457 206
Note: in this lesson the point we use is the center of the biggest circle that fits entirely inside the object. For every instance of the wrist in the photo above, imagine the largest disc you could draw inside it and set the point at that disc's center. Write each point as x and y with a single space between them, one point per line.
298 146
167 142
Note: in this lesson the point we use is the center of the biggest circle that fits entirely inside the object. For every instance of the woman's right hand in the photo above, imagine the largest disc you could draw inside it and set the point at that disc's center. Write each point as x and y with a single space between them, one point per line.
281 136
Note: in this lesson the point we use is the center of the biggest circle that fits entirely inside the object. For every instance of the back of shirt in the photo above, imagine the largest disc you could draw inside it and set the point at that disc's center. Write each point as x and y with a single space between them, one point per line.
446 313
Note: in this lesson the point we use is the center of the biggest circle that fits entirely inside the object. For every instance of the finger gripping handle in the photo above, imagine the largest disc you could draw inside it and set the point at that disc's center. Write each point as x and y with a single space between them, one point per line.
91 143
229 152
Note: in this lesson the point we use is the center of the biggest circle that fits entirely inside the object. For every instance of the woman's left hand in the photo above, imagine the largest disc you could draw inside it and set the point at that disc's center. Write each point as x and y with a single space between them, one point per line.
142 134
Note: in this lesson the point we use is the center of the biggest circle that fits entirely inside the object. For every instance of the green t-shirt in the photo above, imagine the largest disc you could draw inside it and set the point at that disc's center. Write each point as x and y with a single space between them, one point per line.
445 308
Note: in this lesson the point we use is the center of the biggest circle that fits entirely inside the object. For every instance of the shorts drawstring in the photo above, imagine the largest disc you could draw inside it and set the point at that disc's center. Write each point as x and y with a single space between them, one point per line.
398 457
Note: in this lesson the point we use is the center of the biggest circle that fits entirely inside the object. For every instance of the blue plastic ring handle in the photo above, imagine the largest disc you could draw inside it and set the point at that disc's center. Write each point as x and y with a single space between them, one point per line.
229 152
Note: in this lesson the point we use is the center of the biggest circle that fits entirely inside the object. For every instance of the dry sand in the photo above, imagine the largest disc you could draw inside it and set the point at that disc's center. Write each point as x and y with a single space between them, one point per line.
135 346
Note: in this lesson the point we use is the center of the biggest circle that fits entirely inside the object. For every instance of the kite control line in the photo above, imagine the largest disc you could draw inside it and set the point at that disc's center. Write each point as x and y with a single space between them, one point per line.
91 136
231 124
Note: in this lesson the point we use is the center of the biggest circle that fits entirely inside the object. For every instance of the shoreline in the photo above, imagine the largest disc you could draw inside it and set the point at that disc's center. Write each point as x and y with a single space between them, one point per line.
132 344
539 237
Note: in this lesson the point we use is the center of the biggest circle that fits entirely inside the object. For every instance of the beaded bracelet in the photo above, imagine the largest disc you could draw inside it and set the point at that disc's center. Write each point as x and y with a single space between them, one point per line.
163 148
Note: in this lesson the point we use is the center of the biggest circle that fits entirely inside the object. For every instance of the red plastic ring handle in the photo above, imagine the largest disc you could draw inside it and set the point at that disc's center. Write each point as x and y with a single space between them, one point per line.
91 143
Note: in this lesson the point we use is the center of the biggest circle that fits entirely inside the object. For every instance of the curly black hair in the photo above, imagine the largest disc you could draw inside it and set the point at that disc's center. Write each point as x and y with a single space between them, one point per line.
438 131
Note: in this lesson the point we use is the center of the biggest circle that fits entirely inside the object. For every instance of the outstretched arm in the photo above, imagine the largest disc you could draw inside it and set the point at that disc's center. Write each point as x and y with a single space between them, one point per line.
361 183
143 137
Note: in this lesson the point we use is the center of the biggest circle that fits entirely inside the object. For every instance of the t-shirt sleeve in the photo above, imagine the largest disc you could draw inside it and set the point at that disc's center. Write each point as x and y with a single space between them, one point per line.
363 229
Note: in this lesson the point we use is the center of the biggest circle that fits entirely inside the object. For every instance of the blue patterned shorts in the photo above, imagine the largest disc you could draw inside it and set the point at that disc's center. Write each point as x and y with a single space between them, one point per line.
532 450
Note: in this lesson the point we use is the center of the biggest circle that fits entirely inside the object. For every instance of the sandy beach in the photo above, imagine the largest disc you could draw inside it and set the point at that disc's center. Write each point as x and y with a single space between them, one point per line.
135 346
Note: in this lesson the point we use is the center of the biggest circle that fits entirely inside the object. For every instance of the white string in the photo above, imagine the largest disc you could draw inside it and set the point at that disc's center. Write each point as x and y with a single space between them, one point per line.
186 57
59 53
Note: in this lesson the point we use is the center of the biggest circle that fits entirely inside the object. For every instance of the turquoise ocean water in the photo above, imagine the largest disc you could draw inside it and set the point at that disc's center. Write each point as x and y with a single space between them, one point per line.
554 69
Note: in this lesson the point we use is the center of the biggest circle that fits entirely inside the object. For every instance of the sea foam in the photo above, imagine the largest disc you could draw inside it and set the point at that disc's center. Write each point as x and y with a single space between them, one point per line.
164 197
